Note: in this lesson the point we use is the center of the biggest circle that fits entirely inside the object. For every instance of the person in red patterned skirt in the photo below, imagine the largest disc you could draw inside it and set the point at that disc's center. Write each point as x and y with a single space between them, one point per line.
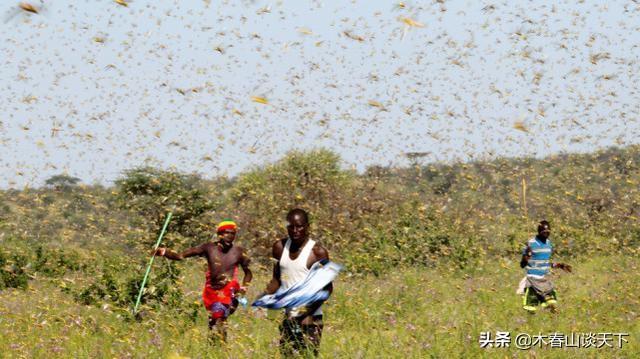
222 285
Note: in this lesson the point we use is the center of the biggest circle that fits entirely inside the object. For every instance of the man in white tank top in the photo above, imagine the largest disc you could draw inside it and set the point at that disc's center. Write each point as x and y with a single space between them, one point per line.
301 329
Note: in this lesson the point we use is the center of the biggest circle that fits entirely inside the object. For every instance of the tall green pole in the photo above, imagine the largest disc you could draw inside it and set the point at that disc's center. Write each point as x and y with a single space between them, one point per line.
146 275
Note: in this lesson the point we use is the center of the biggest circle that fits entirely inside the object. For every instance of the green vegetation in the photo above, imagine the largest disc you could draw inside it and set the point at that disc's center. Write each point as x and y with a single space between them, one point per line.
431 253
409 313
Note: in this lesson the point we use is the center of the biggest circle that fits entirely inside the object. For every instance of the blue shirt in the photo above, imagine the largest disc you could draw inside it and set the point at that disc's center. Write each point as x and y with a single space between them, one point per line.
540 262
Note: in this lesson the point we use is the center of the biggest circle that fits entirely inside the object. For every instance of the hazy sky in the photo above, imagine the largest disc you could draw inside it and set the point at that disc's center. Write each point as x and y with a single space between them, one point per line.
92 88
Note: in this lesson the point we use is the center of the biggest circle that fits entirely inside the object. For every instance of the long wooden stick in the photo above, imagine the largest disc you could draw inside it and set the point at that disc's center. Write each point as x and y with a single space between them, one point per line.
524 197
146 275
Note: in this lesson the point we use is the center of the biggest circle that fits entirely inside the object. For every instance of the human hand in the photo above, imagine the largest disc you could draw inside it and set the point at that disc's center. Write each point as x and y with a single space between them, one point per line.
160 252
564 267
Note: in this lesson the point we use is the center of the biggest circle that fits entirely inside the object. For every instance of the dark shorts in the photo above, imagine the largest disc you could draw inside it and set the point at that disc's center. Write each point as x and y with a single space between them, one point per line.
300 339
533 299
218 310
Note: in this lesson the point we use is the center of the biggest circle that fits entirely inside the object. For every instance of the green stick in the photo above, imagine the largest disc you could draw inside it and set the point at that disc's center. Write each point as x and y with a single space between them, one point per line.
146 275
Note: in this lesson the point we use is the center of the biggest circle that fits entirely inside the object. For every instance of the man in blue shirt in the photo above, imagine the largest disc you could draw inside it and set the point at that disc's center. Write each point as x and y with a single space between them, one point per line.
536 260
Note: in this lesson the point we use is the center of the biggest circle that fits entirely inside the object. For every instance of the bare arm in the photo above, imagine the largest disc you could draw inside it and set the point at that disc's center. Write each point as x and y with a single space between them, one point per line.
244 263
564 267
320 253
191 252
525 257
274 283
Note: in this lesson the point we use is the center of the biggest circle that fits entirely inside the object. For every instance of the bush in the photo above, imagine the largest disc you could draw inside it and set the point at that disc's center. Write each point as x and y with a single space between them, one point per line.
313 181
417 238
109 285
152 193
12 270
56 262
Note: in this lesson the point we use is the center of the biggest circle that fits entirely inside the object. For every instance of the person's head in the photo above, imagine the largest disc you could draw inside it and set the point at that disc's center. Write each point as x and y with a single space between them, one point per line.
226 231
298 225
544 229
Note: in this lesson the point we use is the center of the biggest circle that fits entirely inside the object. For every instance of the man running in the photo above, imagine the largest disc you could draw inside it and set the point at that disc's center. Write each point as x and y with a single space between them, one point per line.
221 286
536 259
301 328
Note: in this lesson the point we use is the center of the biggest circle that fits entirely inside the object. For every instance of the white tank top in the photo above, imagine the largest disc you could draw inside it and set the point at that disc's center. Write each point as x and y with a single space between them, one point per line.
294 271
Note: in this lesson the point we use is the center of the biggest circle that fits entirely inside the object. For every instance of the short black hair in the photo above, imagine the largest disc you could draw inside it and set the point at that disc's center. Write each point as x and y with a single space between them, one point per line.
542 224
298 211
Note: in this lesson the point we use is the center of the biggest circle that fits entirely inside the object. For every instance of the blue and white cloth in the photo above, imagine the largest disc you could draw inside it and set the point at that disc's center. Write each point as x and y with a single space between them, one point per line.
539 264
305 292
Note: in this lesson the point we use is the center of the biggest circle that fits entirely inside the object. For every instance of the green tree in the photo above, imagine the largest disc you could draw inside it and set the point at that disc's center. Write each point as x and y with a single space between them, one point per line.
152 193
310 180
62 182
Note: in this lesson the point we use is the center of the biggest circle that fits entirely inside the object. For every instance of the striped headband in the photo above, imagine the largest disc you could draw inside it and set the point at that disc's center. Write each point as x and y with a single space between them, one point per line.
226 224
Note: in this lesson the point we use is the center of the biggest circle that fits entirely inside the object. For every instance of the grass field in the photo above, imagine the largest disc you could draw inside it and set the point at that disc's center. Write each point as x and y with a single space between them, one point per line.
411 313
